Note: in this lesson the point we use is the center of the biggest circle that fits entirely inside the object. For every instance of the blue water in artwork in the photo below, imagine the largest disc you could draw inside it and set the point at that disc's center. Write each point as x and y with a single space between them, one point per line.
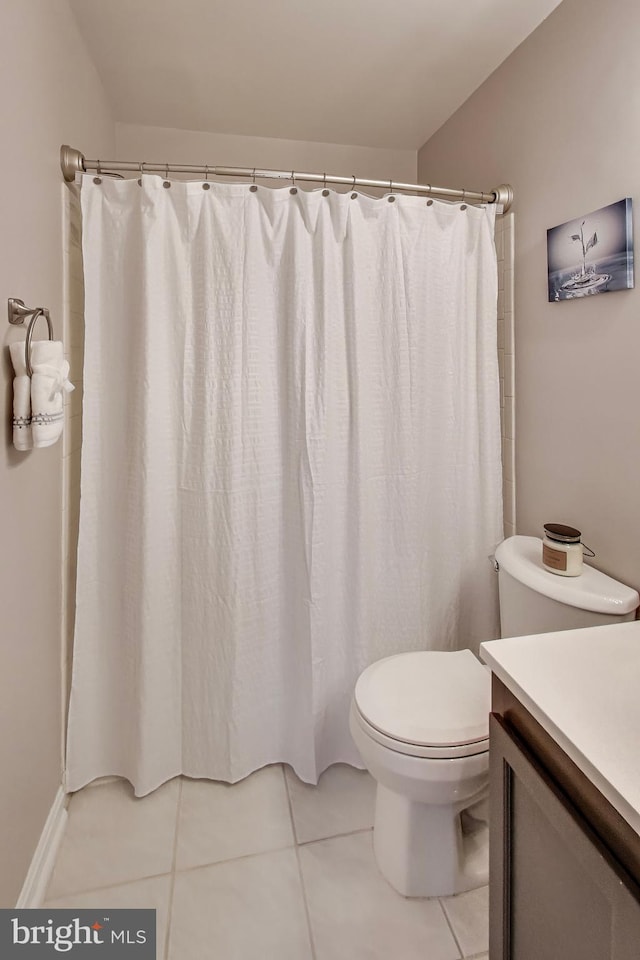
607 274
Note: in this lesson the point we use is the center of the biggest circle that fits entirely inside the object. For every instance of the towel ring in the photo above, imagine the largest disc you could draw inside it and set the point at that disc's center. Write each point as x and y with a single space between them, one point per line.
40 312
18 312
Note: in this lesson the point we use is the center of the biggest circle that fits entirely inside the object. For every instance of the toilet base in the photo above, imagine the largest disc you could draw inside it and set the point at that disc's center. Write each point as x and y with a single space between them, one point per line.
426 850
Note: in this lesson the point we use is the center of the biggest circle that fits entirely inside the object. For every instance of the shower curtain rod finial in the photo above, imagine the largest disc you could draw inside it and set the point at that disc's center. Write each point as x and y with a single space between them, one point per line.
71 162
504 195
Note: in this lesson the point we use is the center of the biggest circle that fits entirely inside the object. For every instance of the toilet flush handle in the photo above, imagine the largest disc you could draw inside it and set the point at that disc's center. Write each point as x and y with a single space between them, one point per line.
494 562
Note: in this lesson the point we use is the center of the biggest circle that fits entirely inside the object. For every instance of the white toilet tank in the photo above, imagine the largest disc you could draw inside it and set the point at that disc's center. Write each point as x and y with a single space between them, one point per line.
533 600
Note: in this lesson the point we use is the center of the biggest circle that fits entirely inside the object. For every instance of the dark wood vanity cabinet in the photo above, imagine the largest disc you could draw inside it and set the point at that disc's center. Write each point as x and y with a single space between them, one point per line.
564 865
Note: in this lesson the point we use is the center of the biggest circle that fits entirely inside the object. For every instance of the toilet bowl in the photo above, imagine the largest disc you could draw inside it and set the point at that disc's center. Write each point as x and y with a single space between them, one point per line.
420 722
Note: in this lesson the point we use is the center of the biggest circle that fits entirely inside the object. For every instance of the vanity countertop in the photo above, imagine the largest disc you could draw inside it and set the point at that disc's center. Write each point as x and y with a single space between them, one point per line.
583 687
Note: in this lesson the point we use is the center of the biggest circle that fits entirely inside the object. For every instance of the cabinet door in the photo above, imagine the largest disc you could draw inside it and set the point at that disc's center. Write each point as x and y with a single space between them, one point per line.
556 893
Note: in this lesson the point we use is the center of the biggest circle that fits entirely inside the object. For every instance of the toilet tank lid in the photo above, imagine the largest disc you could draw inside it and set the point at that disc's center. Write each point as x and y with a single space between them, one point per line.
521 558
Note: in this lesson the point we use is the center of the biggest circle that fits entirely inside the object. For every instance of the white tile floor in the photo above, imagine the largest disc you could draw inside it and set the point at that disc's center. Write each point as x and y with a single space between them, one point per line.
269 868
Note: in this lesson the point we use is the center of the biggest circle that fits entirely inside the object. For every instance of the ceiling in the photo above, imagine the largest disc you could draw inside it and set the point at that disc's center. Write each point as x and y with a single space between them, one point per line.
376 73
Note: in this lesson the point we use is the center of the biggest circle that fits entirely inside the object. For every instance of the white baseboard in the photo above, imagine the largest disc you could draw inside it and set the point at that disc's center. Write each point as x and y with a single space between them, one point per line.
44 858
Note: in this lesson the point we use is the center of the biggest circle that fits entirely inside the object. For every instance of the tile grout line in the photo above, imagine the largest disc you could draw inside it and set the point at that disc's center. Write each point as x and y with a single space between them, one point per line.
258 853
107 886
172 882
335 836
300 874
450 925
242 856
290 806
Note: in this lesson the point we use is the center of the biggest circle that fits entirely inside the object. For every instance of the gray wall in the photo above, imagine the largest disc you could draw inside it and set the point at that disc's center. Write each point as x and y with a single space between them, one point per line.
559 120
49 94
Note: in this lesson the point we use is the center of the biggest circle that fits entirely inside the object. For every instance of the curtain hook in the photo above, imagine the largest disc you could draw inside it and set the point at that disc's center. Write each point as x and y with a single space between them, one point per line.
325 192
98 177
353 187
293 189
463 206
206 185
253 188
141 165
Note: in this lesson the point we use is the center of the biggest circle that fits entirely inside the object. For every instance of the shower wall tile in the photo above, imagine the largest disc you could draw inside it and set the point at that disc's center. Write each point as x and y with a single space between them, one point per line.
506 363
508 492
73 400
72 437
507 422
509 375
507 460
75 356
73 337
508 331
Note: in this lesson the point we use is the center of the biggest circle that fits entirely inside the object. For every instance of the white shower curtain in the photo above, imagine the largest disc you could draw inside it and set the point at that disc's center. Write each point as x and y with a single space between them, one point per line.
290 467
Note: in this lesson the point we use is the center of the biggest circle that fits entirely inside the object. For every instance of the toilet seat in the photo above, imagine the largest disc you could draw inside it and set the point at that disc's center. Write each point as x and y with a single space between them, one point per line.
426 704
420 750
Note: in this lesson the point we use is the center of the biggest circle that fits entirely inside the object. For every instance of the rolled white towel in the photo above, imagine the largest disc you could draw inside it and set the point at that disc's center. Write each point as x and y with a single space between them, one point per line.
22 435
49 380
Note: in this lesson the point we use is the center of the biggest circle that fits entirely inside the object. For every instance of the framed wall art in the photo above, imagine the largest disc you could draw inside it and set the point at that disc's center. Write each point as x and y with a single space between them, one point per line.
591 254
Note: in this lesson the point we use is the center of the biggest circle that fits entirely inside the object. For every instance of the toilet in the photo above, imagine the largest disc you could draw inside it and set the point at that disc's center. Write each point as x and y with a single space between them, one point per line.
421 723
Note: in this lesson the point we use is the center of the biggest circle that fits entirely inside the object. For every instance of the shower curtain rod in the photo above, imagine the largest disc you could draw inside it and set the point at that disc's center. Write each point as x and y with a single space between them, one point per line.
72 161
